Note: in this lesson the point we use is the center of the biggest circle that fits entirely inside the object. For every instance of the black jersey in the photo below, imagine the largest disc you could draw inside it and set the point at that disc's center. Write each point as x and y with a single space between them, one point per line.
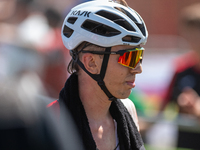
188 78
186 74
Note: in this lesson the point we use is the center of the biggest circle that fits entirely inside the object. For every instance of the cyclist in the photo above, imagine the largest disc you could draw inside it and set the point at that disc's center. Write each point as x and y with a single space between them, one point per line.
104 38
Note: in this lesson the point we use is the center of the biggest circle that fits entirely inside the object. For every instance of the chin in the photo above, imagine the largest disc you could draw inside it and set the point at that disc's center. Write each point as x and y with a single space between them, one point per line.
125 95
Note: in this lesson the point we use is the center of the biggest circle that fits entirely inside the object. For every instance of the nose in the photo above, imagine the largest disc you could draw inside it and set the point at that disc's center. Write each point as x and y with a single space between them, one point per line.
137 69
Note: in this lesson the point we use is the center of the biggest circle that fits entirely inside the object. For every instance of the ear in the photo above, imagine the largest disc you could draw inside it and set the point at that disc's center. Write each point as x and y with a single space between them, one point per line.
91 63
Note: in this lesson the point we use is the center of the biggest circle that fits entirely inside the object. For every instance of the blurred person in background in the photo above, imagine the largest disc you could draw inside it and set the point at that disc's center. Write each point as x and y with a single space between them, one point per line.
24 23
13 12
30 41
18 55
55 55
185 85
26 123
104 39
184 89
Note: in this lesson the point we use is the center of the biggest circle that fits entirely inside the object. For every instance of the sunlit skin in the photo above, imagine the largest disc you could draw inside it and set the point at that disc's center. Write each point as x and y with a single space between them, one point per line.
119 81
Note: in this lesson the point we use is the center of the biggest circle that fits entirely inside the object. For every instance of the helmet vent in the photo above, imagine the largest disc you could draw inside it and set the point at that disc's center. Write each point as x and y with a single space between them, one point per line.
132 39
115 18
140 26
99 28
72 20
67 31
126 13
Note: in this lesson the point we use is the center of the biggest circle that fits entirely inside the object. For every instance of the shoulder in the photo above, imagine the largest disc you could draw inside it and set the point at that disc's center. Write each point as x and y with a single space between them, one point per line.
131 109
185 61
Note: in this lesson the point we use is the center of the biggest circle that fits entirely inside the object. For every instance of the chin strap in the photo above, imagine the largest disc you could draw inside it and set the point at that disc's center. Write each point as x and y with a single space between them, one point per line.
97 77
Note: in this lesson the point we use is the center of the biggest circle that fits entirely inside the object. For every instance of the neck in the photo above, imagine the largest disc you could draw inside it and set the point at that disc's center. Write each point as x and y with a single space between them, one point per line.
94 100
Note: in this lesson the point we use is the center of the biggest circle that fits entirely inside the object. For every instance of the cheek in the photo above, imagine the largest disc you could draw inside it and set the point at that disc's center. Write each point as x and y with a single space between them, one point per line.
116 78
117 86
115 73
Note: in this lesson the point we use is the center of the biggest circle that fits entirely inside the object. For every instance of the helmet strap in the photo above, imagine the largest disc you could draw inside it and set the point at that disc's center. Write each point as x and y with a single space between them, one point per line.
97 77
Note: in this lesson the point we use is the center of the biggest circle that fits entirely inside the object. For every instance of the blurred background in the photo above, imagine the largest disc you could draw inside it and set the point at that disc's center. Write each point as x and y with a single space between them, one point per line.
31 48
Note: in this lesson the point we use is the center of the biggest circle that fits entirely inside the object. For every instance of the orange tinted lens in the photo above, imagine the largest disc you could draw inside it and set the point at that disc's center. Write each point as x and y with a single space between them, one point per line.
131 58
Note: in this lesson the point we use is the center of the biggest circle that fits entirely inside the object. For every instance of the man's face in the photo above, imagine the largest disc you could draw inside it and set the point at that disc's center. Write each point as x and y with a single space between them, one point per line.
120 79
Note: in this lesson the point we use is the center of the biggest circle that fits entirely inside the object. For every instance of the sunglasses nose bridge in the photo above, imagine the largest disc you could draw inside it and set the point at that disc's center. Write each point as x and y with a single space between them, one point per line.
137 69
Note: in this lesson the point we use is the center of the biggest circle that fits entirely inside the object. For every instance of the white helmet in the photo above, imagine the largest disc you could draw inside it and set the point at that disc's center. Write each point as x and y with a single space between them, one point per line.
103 23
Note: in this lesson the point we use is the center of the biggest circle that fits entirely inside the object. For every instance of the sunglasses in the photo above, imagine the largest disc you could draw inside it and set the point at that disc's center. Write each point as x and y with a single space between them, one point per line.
129 58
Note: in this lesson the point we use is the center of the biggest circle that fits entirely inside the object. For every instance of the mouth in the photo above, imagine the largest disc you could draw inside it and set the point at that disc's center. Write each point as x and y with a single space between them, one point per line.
131 83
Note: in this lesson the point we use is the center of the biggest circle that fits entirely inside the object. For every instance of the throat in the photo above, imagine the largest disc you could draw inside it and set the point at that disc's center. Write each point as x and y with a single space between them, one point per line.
104 134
